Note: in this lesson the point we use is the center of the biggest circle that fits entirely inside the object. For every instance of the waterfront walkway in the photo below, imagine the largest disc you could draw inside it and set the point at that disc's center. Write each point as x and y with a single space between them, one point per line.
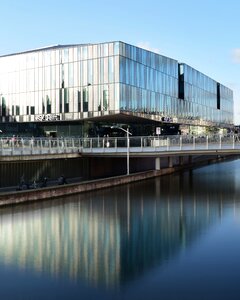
37 148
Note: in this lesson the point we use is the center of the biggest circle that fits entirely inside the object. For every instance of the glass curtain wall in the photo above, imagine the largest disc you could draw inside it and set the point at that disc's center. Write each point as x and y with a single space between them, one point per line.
148 82
204 101
80 81
74 82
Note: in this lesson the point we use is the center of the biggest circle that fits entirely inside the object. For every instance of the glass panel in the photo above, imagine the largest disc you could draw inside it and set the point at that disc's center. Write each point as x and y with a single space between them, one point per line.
17 110
116 68
95 51
110 69
79 101
85 100
47 78
90 72
90 52
65 55
85 72
110 49
70 75
48 101
84 52
70 55
66 100
105 97
96 63
76 72
71 100
75 54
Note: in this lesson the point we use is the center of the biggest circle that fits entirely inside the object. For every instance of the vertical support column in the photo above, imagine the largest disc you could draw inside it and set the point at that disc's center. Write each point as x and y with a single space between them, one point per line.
49 145
157 163
12 146
170 162
128 145
58 146
32 144
180 143
64 145
72 144
41 146
180 160
189 159
91 144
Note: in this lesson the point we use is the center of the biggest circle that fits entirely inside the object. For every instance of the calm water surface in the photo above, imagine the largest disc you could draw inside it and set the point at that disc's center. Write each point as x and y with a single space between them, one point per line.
174 237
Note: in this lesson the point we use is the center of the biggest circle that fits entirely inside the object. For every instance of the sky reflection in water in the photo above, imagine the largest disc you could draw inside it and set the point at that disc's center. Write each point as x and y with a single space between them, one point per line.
175 237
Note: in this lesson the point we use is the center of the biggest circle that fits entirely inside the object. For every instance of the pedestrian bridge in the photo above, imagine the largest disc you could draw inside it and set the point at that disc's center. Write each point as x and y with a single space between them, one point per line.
38 148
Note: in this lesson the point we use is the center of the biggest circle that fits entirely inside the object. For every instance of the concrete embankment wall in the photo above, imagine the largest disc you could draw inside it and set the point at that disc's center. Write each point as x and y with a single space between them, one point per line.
58 191
11 172
85 168
17 197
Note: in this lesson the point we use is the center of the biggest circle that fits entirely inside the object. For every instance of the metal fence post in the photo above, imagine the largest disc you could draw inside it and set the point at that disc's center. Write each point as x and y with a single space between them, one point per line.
58 150
64 145
207 141
22 143
12 146
72 145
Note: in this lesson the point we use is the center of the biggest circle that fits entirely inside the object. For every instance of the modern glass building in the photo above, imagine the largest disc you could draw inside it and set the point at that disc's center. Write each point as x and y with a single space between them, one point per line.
83 89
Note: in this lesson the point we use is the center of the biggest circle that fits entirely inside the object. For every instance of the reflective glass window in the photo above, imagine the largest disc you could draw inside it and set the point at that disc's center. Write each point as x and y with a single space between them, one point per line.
111 69
116 48
70 75
85 100
90 72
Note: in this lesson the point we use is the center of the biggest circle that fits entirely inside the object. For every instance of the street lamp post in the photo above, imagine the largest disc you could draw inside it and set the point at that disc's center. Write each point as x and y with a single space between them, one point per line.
128 144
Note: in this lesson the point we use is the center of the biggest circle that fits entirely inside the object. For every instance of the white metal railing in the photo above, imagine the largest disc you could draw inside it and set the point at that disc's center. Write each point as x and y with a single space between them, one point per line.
161 143
29 146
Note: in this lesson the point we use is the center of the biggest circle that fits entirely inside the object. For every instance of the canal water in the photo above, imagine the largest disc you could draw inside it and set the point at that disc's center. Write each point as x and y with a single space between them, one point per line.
173 237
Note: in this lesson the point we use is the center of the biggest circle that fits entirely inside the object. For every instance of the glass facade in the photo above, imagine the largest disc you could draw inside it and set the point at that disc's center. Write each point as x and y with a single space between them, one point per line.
78 82
206 100
63 82
148 82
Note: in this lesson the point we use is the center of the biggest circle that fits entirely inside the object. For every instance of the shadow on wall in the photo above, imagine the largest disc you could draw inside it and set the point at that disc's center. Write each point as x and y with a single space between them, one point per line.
11 173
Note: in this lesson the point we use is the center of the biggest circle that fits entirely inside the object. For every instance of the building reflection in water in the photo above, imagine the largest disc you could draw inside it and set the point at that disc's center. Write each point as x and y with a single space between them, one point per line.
111 236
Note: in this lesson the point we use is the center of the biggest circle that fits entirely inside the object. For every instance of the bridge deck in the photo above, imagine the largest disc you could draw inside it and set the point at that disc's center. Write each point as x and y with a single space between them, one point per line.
45 148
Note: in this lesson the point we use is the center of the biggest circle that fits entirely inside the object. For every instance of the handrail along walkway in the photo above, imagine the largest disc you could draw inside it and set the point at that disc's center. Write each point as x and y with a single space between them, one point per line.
110 145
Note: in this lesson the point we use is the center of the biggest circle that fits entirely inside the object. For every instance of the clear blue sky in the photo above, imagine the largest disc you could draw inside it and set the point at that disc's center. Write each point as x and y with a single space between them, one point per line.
201 33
